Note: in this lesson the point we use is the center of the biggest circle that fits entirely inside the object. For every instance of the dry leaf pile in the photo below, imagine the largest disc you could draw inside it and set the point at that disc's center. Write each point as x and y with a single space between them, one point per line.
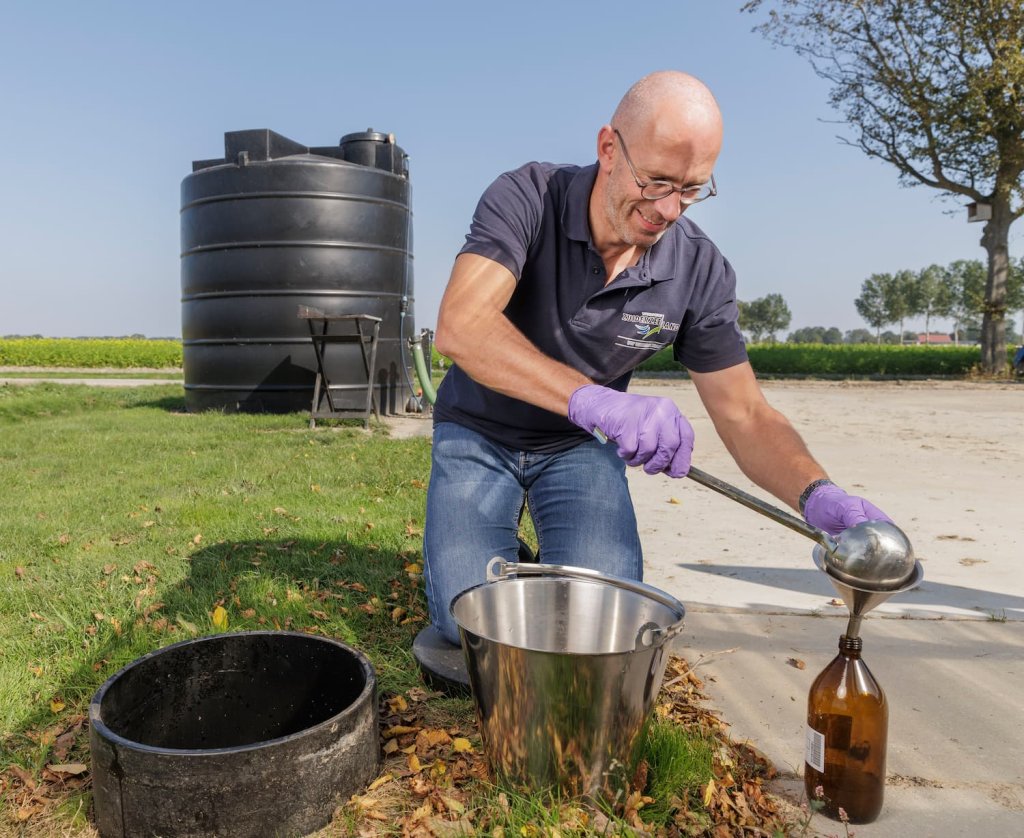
435 779
66 772
431 763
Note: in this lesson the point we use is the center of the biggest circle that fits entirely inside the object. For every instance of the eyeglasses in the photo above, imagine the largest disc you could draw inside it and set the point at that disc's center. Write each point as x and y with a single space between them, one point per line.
652 190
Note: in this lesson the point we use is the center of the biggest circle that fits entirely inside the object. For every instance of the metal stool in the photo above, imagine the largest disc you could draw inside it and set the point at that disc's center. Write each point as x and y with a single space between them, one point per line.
367 329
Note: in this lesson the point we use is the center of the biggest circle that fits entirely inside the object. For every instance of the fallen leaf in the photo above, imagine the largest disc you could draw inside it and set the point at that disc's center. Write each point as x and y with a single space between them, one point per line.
414 764
398 704
431 738
19 572
390 746
198 537
709 792
462 745
26 812
380 781
56 705
72 768
399 730
675 501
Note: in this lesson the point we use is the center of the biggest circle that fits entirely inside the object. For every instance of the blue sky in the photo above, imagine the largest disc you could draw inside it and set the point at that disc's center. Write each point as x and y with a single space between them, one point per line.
106 104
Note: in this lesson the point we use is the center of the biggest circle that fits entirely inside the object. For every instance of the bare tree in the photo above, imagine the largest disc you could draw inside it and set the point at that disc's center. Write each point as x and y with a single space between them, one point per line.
936 88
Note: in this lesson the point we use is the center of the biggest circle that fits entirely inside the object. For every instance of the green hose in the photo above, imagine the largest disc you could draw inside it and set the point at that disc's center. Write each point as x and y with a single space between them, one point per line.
422 373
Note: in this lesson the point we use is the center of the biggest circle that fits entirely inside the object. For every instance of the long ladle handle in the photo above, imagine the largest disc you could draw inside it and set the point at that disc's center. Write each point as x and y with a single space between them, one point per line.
758 505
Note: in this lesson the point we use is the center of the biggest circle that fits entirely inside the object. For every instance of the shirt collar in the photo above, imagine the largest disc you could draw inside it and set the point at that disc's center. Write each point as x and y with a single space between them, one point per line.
657 264
576 204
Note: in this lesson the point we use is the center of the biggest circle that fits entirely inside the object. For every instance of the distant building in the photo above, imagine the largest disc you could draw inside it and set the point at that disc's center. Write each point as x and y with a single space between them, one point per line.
934 339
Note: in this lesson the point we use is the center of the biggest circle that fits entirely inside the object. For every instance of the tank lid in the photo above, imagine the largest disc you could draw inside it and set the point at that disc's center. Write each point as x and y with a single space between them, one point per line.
369 135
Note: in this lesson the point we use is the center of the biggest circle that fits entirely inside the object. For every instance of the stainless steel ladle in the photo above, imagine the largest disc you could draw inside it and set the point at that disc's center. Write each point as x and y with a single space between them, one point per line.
873 555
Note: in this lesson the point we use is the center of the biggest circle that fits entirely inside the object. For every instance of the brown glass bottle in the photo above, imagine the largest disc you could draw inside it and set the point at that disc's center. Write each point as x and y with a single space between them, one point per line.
847 725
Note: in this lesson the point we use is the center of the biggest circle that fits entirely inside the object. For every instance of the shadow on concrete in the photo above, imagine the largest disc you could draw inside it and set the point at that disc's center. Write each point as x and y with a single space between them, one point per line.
927 594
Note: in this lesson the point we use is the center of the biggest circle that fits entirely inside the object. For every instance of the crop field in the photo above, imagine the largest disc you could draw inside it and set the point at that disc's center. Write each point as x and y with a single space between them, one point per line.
117 353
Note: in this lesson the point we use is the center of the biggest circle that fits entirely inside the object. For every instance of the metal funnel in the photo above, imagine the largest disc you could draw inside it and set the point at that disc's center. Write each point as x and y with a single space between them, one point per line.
861 600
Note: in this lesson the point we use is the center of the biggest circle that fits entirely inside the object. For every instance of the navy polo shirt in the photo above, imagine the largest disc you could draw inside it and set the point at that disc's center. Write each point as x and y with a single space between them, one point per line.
682 292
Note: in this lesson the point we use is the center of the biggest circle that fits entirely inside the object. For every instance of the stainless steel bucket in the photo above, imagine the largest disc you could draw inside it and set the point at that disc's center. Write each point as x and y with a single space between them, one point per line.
564 664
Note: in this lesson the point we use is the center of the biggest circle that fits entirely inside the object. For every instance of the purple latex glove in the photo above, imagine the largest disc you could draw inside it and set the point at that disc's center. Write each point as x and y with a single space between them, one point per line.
829 508
649 431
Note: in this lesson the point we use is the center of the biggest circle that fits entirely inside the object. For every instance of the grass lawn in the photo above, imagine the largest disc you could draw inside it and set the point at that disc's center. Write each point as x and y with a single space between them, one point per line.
127 524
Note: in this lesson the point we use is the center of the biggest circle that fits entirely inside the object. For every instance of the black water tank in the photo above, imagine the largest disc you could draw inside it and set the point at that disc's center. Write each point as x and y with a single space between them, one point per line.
275 225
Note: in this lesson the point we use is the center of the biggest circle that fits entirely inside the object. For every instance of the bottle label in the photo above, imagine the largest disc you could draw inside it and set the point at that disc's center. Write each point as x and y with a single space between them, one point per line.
814 749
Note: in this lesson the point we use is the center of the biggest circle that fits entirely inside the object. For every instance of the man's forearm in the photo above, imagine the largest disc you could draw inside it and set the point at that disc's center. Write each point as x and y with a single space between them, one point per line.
772 454
501 358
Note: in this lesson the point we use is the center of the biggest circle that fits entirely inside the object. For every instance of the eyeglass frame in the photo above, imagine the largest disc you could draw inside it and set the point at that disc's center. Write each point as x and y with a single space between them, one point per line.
667 184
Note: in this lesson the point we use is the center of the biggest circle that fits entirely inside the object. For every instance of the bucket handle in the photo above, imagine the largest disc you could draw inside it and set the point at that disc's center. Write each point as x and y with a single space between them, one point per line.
649 634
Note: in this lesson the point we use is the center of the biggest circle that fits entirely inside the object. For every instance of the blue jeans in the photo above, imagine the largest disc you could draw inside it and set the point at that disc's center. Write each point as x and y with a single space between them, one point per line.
578 499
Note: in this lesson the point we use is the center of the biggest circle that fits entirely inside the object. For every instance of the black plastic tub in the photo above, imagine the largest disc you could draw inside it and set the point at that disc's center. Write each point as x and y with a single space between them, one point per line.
244 734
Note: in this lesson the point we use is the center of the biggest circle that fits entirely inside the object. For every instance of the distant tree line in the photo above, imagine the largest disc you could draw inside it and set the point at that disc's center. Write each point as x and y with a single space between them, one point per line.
955 292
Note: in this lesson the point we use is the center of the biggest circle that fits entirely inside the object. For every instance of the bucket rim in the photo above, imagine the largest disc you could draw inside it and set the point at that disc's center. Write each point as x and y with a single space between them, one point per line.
96 720
500 571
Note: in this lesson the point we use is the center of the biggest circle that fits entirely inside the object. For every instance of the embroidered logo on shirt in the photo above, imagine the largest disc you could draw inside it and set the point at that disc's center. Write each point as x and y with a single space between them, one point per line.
646 326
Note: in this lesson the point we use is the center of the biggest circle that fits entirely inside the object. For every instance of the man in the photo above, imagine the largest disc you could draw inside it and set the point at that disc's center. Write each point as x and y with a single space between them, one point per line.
570 277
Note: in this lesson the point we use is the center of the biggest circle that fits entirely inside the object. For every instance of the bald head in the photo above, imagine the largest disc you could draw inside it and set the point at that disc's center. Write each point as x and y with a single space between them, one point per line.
670 104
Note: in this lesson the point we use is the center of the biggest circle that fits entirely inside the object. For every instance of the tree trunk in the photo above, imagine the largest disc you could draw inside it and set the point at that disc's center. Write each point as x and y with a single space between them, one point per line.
993 322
